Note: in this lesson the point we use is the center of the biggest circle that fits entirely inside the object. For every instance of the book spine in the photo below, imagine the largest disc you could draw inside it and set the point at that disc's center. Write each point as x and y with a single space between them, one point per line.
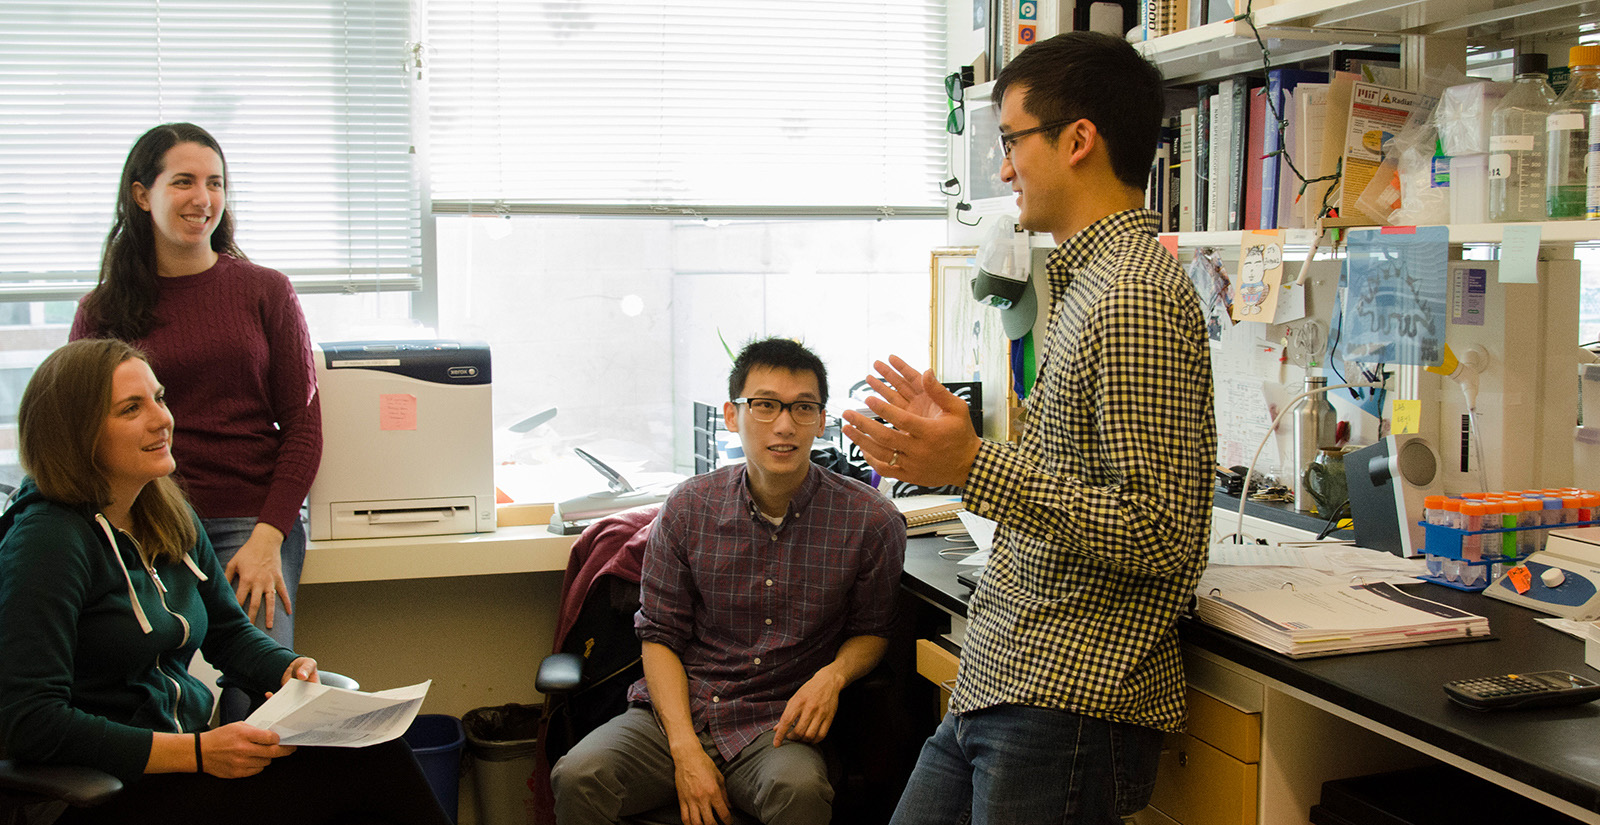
1253 169
1202 159
1174 160
1221 155
1271 144
1186 165
1239 112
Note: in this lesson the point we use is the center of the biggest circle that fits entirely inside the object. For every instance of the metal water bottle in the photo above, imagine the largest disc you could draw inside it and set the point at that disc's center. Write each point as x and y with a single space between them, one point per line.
1315 423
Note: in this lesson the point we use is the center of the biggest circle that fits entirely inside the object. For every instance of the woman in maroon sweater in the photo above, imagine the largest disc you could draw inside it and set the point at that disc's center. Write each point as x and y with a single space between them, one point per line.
230 342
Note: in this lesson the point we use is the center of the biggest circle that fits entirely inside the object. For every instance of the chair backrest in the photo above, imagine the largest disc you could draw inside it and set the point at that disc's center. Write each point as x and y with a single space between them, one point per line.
603 579
603 635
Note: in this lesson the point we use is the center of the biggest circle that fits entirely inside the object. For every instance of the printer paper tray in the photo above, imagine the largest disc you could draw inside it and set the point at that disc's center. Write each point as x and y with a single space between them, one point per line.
405 517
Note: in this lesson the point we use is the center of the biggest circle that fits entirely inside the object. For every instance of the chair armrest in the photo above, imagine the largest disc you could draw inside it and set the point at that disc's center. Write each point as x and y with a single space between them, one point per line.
338 680
559 673
74 784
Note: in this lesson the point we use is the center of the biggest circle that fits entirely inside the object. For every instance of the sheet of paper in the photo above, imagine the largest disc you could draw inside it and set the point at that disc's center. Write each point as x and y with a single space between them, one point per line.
980 529
305 713
1232 579
1519 253
1258 555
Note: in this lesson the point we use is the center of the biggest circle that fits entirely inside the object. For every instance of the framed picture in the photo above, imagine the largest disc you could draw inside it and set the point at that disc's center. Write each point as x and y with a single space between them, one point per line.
988 194
968 343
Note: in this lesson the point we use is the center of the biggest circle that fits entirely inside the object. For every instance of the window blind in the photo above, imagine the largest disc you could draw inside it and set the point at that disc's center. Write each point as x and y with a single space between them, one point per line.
310 100
695 108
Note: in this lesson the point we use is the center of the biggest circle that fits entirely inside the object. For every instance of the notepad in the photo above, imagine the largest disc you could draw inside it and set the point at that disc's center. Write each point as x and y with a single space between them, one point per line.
928 513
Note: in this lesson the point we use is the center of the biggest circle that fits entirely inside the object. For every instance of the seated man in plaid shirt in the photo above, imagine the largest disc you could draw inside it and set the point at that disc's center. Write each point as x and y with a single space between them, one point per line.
767 587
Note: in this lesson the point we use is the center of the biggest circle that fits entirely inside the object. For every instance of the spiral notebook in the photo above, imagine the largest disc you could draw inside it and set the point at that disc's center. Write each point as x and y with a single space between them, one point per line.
929 513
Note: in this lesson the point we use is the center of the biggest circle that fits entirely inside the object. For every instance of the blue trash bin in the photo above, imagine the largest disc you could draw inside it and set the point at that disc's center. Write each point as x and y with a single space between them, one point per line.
436 740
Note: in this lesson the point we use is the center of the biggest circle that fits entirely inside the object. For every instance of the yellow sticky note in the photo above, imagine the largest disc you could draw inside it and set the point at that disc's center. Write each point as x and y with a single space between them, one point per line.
1407 416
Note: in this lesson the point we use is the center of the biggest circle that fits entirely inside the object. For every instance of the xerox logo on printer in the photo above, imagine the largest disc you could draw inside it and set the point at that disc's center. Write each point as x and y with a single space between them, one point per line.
464 372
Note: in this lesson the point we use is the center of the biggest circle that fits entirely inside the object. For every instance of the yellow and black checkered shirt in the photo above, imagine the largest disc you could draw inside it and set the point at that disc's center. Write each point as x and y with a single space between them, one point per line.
1105 506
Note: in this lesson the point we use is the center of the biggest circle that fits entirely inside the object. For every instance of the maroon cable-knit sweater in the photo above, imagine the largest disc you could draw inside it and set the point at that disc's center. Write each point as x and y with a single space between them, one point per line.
231 347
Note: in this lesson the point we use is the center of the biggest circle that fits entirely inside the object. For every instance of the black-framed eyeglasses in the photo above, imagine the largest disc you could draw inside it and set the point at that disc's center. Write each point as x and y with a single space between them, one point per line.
1009 139
767 410
953 89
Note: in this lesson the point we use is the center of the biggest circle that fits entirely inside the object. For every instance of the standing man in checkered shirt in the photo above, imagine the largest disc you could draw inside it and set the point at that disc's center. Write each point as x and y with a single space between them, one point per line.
1071 672
767 587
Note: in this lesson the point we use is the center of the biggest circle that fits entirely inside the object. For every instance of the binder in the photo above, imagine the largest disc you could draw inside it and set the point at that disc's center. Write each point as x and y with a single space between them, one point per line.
1326 621
1276 174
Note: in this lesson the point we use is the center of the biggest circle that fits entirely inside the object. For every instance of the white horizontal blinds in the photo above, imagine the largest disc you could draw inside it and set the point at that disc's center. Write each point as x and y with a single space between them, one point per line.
805 107
310 100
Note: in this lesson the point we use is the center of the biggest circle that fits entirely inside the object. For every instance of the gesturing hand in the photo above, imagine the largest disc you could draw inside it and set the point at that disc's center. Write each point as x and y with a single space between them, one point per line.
928 439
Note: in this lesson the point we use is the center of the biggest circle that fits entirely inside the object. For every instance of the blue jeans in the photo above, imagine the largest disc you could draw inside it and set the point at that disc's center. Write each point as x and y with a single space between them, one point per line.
1018 765
227 536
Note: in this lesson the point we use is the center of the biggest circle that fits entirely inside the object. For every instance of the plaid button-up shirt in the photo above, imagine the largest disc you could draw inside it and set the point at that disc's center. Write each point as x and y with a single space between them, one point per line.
753 609
1105 506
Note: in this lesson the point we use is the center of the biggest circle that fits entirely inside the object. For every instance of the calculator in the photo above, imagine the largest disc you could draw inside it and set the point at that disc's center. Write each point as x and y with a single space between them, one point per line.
1544 689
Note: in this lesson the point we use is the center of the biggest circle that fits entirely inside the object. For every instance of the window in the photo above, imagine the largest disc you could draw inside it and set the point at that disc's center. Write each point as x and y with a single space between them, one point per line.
784 156
310 102
621 325
678 108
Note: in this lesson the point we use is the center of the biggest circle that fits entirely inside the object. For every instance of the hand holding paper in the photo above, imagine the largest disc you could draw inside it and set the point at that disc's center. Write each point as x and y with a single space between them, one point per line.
307 713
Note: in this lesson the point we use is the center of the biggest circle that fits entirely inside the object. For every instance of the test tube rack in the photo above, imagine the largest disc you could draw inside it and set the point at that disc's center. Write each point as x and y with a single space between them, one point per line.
1444 543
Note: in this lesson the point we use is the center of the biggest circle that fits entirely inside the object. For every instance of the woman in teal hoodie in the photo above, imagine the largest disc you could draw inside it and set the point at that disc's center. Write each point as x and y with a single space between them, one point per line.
108 587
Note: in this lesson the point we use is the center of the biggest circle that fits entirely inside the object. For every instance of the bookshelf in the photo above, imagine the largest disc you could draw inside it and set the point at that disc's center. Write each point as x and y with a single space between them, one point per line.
1431 33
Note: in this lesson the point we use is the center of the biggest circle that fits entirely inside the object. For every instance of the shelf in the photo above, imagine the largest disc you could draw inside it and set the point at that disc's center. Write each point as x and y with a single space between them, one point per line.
1552 232
1300 30
521 549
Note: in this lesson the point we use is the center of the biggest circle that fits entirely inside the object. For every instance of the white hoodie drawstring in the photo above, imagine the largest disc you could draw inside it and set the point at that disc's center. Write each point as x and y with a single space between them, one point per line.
133 595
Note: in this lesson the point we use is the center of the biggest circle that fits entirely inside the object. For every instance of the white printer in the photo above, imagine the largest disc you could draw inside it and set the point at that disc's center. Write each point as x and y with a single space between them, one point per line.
407 440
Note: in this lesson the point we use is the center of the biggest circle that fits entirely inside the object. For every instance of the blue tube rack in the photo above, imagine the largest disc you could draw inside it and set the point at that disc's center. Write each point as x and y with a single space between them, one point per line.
1446 542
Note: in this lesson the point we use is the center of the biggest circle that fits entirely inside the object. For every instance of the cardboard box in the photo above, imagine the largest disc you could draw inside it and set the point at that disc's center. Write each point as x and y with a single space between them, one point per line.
513 515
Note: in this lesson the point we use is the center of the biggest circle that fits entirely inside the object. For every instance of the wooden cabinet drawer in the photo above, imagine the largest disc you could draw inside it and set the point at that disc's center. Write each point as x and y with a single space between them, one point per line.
1224 726
938 666
1200 785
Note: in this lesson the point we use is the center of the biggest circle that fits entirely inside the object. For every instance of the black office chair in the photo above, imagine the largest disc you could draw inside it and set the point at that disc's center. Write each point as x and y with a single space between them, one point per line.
33 794
39 793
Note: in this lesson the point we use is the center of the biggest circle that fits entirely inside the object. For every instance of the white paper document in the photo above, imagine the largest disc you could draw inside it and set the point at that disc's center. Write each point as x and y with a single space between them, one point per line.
982 532
305 713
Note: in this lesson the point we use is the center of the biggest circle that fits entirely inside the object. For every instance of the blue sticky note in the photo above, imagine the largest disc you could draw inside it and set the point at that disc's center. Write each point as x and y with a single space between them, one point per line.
1519 253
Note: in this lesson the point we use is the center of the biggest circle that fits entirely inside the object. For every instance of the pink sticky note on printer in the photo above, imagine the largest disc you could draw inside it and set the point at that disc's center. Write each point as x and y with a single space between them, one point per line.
397 411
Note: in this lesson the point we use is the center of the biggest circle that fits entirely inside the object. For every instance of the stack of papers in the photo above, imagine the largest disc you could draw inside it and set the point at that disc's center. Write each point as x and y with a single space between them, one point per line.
1324 621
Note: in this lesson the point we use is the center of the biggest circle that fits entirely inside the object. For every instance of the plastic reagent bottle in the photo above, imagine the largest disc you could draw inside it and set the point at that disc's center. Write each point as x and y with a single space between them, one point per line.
1567 164
1517 144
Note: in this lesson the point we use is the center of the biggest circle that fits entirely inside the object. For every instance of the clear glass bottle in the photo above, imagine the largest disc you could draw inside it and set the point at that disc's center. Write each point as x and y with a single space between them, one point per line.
1567 126
1517 143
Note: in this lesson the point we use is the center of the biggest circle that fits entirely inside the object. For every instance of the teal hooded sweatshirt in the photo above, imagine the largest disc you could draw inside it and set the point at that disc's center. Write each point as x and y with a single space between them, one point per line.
95 645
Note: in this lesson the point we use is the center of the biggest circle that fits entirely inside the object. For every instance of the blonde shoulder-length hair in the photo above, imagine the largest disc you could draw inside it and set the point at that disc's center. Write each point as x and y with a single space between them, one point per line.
59 422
